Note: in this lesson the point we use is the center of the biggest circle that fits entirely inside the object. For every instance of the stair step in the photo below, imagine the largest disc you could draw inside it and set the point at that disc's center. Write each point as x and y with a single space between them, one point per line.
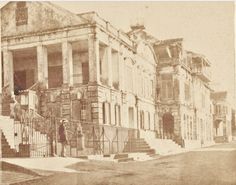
106 155
120 156
125 159
83 157
154 155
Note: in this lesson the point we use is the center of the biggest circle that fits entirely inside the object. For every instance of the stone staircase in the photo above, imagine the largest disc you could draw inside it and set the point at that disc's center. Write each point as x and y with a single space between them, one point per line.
164 146
138 145
15 143
7 151
36 145
123 157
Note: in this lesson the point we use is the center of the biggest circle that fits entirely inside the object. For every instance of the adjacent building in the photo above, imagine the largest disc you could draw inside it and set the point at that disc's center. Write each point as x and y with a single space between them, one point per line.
185 107
223 116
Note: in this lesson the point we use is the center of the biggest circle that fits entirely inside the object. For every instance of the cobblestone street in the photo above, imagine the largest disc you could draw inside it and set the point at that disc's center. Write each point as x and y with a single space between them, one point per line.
209 166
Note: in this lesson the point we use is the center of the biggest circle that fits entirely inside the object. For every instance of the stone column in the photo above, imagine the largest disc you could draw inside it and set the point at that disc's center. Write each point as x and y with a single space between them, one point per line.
8 69
109 65
94 64
42 64
67 63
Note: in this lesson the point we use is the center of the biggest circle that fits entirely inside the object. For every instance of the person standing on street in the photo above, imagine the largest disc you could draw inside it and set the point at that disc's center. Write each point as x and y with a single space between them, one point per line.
63 136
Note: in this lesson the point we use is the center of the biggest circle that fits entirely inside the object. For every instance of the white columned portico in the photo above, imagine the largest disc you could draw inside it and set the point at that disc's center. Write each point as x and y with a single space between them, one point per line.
8 69
67 63
94 63
42 64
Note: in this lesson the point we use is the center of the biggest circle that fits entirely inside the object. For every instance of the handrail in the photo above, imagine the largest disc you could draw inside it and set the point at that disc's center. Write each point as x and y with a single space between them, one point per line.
34 85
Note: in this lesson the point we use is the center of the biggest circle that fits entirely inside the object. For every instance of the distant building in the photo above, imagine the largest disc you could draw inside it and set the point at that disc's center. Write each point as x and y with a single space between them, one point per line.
184 94
223 116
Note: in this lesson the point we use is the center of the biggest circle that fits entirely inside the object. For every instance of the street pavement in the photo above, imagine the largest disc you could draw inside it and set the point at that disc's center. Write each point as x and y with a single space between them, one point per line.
206 166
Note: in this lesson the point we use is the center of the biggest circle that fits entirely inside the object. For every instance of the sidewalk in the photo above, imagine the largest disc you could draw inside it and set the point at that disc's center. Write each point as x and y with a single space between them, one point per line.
16 170
56 164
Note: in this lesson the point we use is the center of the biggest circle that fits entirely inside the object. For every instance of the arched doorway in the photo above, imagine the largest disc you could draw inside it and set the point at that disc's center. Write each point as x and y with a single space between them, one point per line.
168 125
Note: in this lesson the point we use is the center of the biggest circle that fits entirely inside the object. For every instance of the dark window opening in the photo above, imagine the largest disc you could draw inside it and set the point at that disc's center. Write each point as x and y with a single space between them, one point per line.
55 77
21 14
85 72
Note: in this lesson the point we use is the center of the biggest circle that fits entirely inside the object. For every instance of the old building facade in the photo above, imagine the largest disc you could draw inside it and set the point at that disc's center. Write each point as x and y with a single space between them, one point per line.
223 117
113 87
77 67
184 94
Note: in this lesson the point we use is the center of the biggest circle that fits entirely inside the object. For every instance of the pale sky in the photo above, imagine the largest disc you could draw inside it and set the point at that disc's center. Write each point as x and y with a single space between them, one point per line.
207 27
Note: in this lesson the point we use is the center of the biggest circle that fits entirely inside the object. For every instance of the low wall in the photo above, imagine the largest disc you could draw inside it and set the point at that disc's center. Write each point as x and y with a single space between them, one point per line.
106 139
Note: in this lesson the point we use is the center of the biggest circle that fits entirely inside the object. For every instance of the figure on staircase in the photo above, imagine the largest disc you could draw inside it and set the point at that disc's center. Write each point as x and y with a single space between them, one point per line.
15 108
63 136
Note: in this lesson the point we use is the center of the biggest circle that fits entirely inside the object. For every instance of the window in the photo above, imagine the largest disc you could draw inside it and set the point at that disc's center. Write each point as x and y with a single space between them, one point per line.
187 91
115 68
83 111
117 115
141 120
129 80
152 89
21 13
85 72
166 86
203 100
106 113
149 121
163 52
55 68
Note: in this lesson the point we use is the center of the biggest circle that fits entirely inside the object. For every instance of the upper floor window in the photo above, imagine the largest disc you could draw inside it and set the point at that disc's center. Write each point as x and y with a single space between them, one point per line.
203 100
166 86
21 13
187 91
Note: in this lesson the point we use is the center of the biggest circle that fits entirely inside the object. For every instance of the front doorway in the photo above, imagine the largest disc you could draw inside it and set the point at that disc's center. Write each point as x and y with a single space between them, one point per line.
168 125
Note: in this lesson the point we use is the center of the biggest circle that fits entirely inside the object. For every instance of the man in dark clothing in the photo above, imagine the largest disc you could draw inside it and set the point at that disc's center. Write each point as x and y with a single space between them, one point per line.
63 137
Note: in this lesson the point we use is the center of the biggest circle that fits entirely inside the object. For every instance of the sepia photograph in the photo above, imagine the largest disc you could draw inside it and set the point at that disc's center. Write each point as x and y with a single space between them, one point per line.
117 93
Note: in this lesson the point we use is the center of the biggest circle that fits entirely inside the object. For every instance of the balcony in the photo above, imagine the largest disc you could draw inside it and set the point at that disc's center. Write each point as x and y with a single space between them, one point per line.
28 100
203 73
220 117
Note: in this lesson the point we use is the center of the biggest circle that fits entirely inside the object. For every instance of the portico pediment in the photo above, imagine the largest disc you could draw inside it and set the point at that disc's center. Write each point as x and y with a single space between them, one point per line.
19 18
